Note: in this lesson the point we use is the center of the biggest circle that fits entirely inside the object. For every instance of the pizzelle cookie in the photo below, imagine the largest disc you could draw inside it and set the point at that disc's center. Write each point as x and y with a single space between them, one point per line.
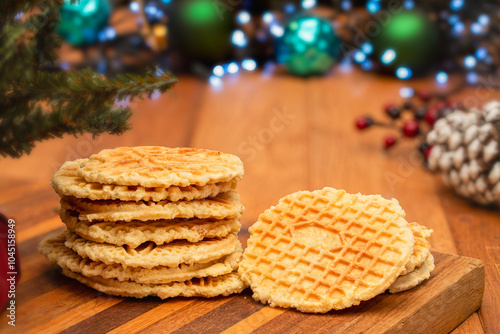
150 221
414 278
54 250
159 231
149 255
226 205
155 166
66 182
197 287
326 249
422 247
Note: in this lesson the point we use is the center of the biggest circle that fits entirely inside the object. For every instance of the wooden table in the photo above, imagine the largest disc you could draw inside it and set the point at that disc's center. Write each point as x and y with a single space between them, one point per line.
292 134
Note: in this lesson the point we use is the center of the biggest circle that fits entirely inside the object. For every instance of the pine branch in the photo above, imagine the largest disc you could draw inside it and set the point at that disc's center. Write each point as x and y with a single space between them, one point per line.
85 86
19 134
78 102
37 105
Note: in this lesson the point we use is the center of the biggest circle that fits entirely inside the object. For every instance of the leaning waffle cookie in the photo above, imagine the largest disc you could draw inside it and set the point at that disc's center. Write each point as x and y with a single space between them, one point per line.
155 166
226 205
158 231
66 182
414 278
54 250
149 255
421 250
326 249
197 287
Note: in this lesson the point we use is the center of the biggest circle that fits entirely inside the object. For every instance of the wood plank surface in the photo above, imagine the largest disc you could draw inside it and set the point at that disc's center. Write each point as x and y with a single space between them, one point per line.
453 293
292 134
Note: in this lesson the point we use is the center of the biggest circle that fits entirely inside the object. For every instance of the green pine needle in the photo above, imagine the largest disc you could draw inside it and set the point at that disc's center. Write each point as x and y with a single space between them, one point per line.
36 105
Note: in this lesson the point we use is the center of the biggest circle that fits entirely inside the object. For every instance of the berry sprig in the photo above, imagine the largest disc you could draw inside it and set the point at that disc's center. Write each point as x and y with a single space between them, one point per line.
414 117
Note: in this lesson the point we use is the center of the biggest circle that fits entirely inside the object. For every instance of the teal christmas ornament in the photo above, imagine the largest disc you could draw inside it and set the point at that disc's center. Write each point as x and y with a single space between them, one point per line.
406 44
308 46
82 21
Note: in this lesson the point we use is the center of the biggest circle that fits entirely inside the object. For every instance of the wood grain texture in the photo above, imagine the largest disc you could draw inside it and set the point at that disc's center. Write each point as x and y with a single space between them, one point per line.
292 134
452 294
422 310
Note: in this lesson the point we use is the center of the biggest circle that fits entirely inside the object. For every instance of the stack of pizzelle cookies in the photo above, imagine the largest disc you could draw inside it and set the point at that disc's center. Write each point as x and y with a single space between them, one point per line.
327 249
150 221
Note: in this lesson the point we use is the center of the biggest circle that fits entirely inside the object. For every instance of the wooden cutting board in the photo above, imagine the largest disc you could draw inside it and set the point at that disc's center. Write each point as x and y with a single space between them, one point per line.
453 293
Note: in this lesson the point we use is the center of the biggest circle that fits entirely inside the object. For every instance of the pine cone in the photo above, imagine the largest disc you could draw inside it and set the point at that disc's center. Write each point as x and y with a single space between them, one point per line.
466 151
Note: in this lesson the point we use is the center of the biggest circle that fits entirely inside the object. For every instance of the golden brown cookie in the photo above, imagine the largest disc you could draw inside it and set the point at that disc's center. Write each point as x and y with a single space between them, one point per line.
66 182
415 277
156 166
54 250
149 255
226 205
160 231
326 249
422 247
197 287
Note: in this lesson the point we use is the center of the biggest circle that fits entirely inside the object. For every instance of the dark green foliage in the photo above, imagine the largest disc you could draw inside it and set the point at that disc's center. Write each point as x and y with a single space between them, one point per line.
37 104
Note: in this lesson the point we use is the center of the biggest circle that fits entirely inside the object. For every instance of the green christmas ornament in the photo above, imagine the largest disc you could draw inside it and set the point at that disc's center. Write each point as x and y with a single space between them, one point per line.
308 46
409 40
202 29
82 21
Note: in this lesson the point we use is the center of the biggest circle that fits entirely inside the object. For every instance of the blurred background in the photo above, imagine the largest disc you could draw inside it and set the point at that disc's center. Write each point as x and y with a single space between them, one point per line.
213 38
399 38
265 78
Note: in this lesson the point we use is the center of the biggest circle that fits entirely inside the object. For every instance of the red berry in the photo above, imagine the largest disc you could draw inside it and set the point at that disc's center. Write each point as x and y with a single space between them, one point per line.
427 152
411 128
392 110
424 95
432 115
364 122
388 107
389 141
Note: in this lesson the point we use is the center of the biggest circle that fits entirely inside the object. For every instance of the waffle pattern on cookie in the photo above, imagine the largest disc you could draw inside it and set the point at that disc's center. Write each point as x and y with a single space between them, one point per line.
226 205
326 249
54 250
66 182
159 231
197 287
154 166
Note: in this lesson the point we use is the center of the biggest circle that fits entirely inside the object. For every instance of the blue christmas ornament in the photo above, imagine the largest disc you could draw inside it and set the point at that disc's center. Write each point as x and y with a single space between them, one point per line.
308 46
82 21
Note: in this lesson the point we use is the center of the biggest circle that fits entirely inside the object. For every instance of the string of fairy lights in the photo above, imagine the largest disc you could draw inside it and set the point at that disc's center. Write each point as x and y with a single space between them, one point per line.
468 28
480 58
